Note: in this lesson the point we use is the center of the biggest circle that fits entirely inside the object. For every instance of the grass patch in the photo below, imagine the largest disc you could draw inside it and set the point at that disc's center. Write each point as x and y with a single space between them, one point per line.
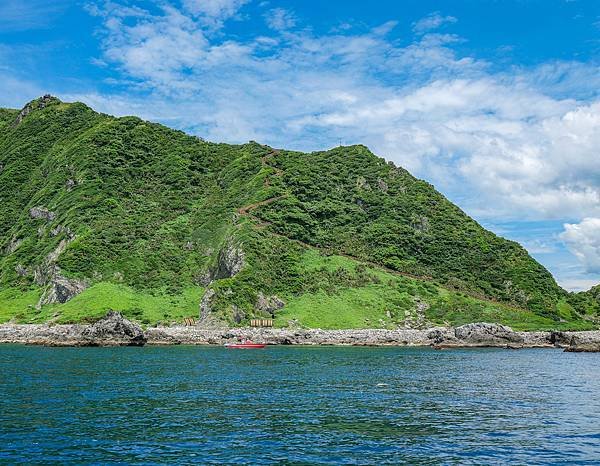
94 302
372 306
17 305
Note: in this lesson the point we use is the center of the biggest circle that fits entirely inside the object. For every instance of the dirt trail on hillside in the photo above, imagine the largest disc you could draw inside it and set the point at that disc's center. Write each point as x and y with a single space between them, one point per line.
245 210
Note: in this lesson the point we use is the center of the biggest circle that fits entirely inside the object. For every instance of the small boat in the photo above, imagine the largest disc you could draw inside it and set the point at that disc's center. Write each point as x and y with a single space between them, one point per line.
245 345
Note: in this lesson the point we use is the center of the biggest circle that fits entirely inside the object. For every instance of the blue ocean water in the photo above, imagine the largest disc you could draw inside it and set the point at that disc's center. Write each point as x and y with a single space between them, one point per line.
295 405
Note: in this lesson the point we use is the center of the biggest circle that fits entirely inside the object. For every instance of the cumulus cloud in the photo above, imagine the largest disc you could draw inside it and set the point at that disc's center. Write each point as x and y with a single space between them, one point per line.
431 22
583 240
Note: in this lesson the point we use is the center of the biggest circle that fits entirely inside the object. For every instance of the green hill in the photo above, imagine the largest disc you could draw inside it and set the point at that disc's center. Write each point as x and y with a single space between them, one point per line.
102 213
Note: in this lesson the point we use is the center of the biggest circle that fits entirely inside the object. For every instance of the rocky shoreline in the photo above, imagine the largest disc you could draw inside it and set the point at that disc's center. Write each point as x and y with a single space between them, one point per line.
114 330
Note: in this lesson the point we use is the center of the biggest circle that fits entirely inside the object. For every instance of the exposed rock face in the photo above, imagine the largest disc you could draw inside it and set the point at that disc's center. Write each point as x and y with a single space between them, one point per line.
70 184
206 304
61 289
62 229
21 270
382 185
416 318
584 342
516 294
362 183
230 262
484 333
204 278
13 245
42 213
237 314
438 336
268 304
559 338
114 330
36 104
420 223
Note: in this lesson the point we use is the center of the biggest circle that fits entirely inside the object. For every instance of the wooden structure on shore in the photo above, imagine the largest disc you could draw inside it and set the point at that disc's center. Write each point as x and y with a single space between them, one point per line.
261 322
189 321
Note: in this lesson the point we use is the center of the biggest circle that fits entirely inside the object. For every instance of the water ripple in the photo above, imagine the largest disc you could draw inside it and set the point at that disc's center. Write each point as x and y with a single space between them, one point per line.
292 405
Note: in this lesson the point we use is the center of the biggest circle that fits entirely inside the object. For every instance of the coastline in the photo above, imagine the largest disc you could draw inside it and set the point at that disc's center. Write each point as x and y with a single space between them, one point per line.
121 332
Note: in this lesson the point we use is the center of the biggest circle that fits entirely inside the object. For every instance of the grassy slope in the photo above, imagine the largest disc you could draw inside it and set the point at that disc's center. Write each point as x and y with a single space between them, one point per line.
152 207
378 303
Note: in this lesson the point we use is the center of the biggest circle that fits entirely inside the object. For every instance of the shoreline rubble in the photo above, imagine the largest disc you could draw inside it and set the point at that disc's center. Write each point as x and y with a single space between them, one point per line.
115 330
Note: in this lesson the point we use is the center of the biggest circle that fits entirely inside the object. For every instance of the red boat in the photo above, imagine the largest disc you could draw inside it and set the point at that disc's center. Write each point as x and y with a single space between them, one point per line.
245 345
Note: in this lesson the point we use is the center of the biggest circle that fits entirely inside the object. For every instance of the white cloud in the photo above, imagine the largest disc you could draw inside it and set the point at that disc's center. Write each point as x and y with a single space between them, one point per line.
215 9
583 240
280 19
578 284
431 22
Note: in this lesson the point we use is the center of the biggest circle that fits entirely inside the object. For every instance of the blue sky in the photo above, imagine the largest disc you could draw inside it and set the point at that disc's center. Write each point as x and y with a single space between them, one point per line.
497 103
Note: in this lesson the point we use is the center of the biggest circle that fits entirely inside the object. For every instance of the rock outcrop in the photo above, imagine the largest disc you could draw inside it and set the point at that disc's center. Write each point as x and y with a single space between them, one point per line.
61 289
206 304
57 230
584 342
269 304
113 330
13 245
382 185
41 213
36 104
230 262
483 333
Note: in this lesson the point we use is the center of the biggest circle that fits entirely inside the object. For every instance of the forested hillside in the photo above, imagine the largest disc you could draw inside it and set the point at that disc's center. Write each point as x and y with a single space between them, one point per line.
102 213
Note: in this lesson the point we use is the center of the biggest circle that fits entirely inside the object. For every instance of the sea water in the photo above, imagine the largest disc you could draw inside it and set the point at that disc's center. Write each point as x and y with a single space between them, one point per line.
298 405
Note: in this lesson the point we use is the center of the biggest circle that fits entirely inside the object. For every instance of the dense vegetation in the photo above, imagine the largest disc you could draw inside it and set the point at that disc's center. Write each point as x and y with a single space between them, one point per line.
149 219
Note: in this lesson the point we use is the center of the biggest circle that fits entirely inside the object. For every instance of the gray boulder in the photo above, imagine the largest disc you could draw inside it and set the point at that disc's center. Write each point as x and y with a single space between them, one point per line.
482 333
42 213
584 342
113 330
